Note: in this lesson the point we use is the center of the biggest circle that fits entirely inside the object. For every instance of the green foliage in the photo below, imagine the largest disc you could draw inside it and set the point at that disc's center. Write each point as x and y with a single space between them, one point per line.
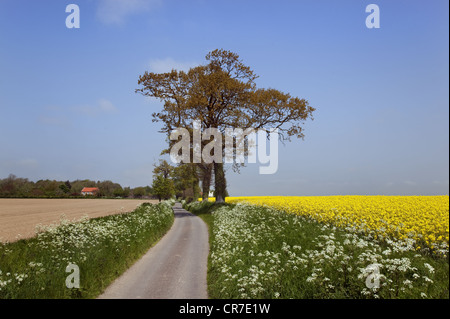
163 187
64 188
138 192
186 181
118 192
181 181
126 192
164 169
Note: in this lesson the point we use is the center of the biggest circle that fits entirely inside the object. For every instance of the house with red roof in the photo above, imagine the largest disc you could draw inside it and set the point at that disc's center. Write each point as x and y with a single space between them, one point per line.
89 191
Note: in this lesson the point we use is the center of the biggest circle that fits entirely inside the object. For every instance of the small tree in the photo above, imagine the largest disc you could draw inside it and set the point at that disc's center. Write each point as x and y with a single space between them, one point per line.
64 188
139 192
118 192
164 169
126 192
162 187
185 180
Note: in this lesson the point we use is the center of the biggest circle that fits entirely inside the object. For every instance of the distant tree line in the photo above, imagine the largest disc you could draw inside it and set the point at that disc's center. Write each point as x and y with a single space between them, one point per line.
16 187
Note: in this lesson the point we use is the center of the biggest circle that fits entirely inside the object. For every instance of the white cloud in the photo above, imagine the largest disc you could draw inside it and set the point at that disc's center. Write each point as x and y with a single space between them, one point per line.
116 11
62 116
101 107
106 106
167 64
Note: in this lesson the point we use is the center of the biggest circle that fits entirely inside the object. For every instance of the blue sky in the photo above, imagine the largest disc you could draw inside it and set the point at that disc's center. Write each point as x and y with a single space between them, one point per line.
68 108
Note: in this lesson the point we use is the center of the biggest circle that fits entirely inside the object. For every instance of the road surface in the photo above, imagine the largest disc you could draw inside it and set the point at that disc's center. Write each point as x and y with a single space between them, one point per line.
175 268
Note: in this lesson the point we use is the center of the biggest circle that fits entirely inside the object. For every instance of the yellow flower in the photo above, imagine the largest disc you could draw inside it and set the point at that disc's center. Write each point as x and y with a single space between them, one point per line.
423 218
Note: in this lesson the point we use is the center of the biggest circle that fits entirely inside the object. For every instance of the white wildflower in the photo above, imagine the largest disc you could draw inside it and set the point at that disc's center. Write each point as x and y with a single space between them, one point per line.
429 267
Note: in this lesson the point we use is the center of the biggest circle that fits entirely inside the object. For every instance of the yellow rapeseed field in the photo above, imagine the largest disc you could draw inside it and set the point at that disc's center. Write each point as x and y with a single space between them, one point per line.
423 218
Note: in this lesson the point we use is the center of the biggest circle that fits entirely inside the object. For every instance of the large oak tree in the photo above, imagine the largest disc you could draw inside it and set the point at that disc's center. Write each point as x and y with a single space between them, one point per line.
223 94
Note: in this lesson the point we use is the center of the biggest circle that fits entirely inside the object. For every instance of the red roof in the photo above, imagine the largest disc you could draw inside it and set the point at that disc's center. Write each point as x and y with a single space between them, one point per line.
90 189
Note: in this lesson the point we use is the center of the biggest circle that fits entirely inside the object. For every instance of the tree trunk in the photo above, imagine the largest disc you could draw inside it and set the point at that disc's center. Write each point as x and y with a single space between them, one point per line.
195 182
220 183
206 180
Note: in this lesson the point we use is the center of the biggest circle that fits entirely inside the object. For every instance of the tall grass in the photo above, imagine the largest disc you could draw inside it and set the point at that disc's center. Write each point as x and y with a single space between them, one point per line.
259 252
102 248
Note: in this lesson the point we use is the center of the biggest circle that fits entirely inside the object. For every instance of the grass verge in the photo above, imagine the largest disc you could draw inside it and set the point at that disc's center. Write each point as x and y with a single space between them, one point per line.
102 248
258 252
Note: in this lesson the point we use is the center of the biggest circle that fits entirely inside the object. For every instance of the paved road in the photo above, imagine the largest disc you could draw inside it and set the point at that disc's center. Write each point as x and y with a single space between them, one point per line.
175 268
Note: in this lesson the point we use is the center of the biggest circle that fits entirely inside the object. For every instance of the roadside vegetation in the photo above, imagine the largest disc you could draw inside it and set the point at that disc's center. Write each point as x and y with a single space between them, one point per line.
102 248
261 252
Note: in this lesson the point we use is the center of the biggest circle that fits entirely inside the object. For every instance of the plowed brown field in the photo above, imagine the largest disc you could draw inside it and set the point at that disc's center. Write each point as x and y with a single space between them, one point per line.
19 217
